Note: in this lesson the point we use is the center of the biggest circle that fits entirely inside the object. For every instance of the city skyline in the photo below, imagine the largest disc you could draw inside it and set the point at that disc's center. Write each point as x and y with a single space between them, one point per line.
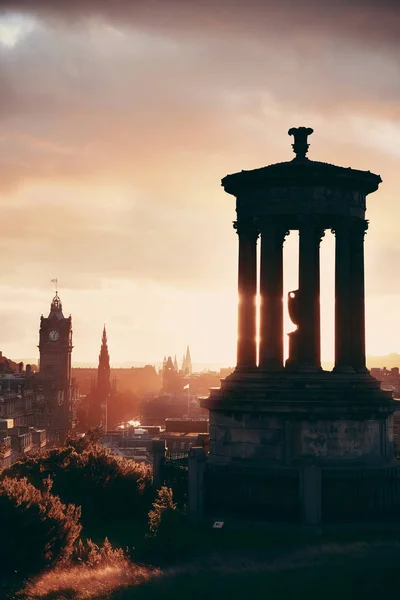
113 152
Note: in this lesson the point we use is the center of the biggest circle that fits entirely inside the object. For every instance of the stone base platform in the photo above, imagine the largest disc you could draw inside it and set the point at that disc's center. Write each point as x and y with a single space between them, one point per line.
283 418
287 445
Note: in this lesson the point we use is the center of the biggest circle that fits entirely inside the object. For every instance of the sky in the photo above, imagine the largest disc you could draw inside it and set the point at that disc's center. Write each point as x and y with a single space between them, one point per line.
118 121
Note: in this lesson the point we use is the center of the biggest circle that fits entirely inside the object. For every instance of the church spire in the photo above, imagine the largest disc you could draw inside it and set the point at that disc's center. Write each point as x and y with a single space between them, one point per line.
188 362
99 408
176 364
104 357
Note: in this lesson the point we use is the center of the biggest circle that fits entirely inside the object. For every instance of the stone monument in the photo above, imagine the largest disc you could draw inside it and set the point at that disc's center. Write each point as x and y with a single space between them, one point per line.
290 441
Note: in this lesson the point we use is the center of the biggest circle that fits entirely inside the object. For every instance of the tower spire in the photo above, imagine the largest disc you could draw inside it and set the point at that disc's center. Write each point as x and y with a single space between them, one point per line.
188 361
56 306
103 385
104 357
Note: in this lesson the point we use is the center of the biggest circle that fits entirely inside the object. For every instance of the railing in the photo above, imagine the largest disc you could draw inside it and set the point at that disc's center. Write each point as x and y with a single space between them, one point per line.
175 475
177 456
268 496
361 495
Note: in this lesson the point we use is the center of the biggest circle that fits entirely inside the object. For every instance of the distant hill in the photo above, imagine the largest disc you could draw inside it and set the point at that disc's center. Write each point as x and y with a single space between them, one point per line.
388 360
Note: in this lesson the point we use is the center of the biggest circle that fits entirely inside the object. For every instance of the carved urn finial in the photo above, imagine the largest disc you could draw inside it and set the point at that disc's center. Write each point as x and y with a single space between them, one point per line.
300 146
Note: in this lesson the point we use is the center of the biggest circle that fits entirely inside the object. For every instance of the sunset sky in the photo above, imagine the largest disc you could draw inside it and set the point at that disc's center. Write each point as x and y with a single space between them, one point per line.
118 121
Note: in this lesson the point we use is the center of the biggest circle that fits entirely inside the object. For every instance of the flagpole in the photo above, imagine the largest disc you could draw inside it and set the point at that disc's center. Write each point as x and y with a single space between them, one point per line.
106 419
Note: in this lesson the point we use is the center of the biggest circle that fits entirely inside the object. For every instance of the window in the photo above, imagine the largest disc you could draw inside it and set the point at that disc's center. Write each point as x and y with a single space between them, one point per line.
182 445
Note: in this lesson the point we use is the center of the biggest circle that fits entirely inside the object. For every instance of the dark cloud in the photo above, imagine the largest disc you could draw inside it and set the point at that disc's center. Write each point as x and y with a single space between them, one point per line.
373 19
74 105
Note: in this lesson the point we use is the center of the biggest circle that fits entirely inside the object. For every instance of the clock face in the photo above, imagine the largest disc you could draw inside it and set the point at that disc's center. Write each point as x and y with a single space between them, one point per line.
54 335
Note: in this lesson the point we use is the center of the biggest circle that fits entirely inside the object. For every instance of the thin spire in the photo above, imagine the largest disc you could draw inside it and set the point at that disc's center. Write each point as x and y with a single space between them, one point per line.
104 357
56 305
176 364
188 361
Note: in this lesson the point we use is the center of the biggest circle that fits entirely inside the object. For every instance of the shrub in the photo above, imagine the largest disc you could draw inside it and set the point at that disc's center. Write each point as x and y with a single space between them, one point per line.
163 511
37 529
94 556
101 571
107 487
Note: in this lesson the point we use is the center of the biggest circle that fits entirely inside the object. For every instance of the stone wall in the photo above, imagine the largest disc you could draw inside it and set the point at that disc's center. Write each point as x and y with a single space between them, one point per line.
284 439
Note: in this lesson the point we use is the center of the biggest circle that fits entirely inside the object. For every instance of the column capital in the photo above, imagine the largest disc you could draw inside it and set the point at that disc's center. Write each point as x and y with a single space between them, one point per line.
313 227
360 227
247 227
350 226
273 232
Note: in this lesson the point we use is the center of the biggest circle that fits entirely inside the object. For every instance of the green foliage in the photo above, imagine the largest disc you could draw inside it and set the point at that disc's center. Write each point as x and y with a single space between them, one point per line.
37 529
107 487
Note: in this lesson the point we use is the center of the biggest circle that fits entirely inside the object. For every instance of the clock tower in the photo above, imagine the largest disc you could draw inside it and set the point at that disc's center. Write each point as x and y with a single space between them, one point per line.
55 345
59 393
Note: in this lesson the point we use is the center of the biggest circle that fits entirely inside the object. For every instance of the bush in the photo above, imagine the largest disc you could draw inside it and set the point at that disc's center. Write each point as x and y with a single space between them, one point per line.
101 571
107 487
169 538
94 556
163 513
37 529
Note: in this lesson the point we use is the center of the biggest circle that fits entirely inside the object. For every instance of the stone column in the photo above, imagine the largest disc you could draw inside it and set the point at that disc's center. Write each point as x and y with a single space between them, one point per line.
343 297
311 234
359 228
271 291
247 287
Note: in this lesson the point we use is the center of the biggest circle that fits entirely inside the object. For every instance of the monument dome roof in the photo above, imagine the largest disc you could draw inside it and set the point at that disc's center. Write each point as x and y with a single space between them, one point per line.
301 171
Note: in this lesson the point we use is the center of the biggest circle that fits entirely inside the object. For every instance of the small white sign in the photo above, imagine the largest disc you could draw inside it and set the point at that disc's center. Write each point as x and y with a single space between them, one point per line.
218 525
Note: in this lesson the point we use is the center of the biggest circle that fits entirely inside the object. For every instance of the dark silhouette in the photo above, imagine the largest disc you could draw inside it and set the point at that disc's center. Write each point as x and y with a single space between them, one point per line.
54 378
100 397
269 421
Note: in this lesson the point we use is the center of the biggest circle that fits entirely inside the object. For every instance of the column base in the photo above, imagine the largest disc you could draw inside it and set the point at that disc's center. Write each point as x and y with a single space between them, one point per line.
271 367
345 369
295 366
246 369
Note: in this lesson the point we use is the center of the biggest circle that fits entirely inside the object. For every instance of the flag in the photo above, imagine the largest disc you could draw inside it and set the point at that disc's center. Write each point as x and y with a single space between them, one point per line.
186 387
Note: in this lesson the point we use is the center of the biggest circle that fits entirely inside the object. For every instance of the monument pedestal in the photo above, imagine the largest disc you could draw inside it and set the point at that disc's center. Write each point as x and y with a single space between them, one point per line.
268 430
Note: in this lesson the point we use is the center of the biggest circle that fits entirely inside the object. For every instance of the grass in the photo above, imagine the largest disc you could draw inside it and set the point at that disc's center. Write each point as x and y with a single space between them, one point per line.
84 583
332 571
238 563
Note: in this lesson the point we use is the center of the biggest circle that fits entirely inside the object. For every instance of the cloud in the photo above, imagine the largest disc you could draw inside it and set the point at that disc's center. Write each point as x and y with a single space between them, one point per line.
377 19
118 120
